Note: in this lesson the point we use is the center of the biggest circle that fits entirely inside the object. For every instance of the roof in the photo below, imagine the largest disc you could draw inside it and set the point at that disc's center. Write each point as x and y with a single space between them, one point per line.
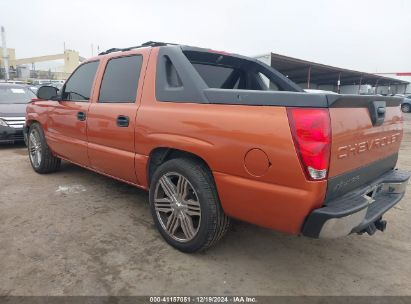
321 74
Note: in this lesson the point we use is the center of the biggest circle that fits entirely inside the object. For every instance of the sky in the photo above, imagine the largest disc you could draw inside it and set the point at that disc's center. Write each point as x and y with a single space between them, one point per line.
365 35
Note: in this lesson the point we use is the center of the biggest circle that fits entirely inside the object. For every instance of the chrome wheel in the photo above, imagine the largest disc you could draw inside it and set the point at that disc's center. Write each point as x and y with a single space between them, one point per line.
177 207
406 108
35 148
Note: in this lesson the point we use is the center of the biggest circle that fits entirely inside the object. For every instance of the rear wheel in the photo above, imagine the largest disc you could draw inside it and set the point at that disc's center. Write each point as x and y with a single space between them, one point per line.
406 108
41 158
185 205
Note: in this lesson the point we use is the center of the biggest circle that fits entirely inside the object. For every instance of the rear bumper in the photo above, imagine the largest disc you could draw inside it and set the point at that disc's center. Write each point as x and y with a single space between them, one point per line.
10 135
359 210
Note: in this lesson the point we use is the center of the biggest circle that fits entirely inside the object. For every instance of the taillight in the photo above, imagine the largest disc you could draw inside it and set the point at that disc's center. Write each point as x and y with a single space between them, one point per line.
311 132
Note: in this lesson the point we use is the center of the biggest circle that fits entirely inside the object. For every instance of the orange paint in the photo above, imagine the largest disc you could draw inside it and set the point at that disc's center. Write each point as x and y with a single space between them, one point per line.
276 194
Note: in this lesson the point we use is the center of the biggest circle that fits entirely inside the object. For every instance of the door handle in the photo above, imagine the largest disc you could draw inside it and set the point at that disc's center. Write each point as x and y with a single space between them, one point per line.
123 121
81 116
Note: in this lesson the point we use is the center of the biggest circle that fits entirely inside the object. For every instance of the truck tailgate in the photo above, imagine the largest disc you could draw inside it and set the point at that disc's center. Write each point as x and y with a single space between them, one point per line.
366 137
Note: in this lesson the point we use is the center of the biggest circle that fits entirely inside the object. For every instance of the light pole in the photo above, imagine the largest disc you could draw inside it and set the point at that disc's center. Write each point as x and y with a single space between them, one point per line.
5 54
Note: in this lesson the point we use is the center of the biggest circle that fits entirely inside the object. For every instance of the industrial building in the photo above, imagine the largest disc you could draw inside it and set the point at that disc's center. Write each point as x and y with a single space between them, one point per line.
25 68
311 75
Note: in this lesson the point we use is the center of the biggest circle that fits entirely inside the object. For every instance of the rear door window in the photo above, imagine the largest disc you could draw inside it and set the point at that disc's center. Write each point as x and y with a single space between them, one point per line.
120 80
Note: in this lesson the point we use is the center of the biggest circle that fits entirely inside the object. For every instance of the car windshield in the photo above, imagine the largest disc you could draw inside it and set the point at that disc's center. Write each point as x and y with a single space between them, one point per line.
14 94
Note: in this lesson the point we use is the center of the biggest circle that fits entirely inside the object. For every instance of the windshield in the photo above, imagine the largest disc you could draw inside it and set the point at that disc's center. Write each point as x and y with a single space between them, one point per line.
12 94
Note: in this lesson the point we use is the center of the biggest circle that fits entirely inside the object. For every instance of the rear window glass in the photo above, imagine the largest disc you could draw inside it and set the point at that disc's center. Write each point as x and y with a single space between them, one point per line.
222 71
213 75
12 94
268 84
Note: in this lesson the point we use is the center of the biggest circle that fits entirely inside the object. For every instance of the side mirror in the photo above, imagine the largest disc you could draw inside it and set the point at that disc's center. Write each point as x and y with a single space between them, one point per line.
48 93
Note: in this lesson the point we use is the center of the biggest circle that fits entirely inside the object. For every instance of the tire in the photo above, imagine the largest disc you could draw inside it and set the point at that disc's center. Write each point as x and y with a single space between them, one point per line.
406 108
193 220
41 158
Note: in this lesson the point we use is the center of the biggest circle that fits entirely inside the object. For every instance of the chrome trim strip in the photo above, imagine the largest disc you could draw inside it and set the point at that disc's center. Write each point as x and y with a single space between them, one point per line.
394 188
338 227
13 118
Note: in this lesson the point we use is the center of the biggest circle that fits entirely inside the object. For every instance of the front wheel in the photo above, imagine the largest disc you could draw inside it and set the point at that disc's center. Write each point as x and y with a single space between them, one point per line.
406 108
185 205
41 158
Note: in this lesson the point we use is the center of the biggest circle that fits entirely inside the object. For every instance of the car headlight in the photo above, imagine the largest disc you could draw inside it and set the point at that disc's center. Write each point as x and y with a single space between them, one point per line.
3 123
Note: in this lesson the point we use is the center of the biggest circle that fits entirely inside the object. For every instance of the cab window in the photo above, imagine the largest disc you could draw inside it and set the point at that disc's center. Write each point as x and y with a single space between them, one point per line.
78 86
120 80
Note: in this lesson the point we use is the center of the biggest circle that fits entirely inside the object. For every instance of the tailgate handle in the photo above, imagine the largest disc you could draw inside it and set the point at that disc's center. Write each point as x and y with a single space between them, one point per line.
377 111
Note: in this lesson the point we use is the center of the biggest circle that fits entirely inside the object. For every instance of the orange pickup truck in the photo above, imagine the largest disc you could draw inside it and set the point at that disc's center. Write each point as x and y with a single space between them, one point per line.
215 136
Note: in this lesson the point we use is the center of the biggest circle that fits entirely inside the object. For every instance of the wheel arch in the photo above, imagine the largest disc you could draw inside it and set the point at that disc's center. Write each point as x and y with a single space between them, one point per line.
160 155
26 128
29 122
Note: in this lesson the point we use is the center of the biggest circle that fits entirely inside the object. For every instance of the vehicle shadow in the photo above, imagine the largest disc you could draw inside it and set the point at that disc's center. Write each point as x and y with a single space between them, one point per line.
249 259
245 237
10 146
